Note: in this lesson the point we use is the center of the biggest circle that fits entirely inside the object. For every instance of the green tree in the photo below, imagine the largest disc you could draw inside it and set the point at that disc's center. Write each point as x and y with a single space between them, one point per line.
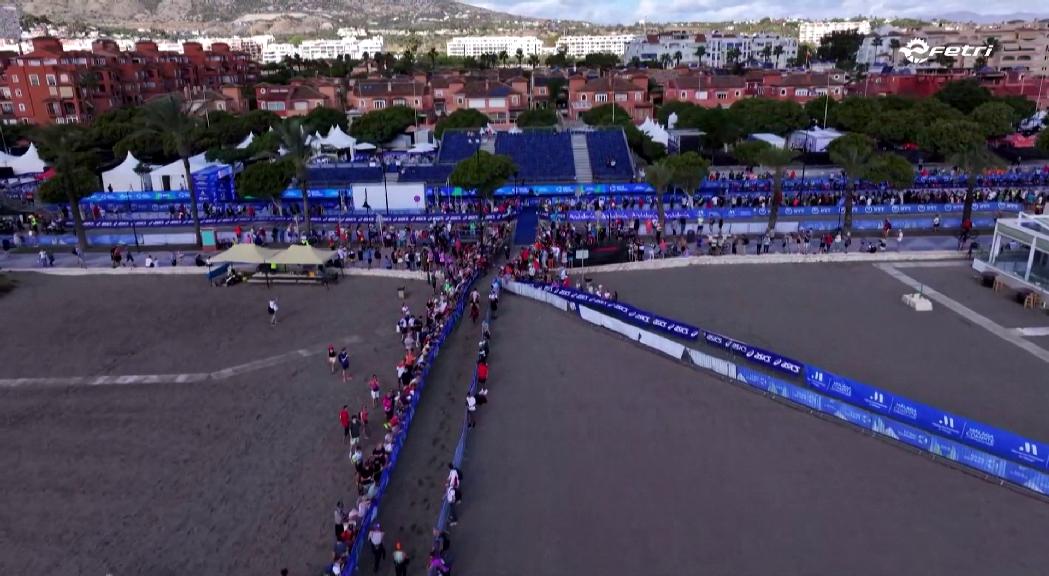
1022 107
600 60
519 56
483 173
1042 143
659 176
168 117
538 118
997 119
665 60
292 137
463 118
852 152
757 153
266 180
732 56
432 55
756 115
677 58
890 169
962 143
533 60
963 95
895 44
559 59
701 52
606 115
688 171
380 126
855 113
803 57
67 149
322 118
840 47
816 108
503 57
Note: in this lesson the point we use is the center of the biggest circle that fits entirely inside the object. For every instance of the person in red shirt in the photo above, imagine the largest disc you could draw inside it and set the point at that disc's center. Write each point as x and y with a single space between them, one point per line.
344 419
482 373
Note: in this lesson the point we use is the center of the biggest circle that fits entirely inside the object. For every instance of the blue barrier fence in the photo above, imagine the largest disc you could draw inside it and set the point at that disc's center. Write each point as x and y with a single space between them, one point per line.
992 451
343 220
373 510
794 211
978 435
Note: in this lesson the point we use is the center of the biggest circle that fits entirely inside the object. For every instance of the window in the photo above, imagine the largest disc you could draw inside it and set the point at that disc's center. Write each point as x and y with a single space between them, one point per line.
782 91
379 104
459 101
7 108
398 101
63 78
600 98
439 93
620 97
34 80
50 79
582 97
722 95
301 105
737 93
637 96
275 106
21 107
15 78
417 103
18 93
542 91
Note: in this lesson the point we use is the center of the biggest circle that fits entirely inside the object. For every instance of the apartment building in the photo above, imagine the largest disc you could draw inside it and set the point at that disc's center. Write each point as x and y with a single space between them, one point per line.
706 90
322 49
368 95
300 96
666 45
725 50
812 32
52 85
629 92
463 46
580 46
801 87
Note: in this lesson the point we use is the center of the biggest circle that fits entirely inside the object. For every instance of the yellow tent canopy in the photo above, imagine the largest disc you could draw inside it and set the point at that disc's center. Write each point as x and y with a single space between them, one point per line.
245 254
301 255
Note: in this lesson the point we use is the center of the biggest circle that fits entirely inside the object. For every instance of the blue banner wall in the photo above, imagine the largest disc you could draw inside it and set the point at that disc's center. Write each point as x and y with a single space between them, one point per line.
754 354
626 312
344 220
737 213
966 432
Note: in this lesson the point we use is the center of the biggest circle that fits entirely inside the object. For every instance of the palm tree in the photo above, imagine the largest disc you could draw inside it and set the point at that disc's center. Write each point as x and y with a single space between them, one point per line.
852 153
367 62
533 60
700 53
432 53
664 60
64 145
677 58
519 55
973 160
766 53
894 43
292 137
659 177
732 55
168 117
503 57
777 52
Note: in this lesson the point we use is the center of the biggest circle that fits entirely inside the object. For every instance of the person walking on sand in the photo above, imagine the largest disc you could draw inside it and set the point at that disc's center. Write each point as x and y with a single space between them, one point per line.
344 419
375 540
331 357
373 384
400 560
272 308
363 416
344 363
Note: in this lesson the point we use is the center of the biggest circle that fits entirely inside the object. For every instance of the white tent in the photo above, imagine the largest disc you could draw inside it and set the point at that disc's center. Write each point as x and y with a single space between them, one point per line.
338 139
246 141
364 146
173 176
654 131
28 163
422 148
124 177
815 140
770 139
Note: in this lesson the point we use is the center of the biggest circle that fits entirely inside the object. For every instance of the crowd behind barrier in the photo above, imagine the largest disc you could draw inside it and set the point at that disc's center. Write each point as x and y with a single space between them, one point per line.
989 450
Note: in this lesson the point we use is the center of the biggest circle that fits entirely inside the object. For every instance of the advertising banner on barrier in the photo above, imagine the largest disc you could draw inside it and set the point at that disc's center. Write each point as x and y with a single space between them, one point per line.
974 434
627 312
754 354
791 211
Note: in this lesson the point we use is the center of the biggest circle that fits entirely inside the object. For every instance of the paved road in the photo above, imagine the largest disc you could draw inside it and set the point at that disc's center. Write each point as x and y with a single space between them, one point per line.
231 477
597 457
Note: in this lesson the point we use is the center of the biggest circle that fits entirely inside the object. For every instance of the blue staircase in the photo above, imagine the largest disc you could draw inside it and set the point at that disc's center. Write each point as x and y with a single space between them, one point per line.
527 222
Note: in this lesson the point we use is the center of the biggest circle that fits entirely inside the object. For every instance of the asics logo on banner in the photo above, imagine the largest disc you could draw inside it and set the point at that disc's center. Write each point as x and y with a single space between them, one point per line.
1029 448
981 436
918 51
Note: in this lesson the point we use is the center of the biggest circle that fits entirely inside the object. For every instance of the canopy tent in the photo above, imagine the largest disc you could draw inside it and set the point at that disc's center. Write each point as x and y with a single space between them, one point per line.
124 177
422 148
770 139
364 146
176 174
246 141
245 254
338 139
299 254
28 163
654 131
815 140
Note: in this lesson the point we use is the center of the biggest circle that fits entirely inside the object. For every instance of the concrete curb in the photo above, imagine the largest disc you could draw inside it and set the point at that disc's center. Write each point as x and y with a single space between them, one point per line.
923 256
383 273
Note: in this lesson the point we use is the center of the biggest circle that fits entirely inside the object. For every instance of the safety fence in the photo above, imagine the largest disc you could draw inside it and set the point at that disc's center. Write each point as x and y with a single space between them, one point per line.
1004 455
372 513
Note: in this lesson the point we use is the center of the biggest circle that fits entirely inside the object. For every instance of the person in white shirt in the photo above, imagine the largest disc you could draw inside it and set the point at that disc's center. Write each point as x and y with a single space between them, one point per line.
471 407
375 537
272 307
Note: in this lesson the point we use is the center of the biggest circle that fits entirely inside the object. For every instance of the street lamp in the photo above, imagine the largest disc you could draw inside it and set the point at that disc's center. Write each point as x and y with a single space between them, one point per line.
386 189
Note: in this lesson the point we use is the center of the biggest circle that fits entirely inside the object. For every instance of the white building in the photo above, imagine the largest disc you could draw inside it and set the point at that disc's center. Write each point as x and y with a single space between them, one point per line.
323 49
463 46
725 50
582 45
812 33
652 47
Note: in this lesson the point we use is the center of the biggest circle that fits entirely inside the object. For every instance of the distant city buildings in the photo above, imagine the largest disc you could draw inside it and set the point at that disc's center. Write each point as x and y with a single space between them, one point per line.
580 46
812 32
671 45
717 49
322 49
473 46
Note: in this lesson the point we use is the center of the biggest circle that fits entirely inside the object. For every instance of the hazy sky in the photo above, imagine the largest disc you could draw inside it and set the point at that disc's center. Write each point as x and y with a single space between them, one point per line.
628 11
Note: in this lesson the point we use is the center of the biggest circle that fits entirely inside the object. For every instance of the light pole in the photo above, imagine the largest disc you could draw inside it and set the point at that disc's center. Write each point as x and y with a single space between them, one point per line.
386 189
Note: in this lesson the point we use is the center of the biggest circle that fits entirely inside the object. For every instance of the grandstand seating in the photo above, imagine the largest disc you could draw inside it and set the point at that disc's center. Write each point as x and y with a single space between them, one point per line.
605 146
344 174
437 174
540 156
457 145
